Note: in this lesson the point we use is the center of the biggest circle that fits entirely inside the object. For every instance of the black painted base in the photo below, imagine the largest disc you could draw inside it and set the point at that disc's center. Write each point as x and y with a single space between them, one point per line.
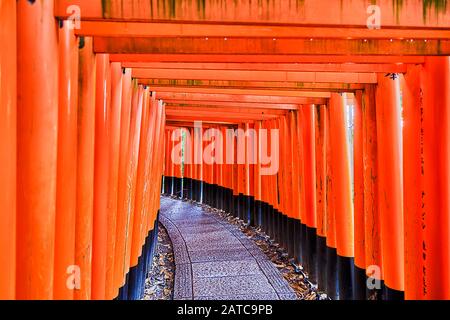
359 284
135 278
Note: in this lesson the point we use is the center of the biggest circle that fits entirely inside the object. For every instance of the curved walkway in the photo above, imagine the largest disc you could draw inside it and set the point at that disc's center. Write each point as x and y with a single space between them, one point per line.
214 260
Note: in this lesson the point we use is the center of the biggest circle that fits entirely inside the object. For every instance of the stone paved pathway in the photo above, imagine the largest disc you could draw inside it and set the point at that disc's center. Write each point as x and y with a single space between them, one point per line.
214 260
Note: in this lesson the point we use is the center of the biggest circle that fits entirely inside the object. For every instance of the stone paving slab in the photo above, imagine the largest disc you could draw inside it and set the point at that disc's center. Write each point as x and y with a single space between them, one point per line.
214 260
248 297
225 268
228 254
209 287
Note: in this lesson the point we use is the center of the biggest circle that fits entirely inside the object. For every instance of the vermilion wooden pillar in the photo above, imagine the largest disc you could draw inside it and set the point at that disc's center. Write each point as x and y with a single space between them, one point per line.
358 192
140 191
8 123
128 91
342 196
37 123
372 236
309 166
331 272
294 189
124 224
390 184
100 223
413 144
139 227
257 177
85 167
321 193
67 162
114 123
436 190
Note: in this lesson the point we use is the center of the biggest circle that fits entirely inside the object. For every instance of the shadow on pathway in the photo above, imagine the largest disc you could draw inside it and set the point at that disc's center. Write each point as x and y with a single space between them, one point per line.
214 260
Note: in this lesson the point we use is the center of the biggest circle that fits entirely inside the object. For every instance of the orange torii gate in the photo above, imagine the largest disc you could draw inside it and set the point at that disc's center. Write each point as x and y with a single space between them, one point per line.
88 134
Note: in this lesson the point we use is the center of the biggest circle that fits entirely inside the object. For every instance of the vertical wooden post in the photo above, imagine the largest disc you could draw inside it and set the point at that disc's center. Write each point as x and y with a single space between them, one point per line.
125 128
37 123
358 191
309 163
436 190
390 186
413 145
113 171
139 194
8 129
127 206
296 175
372 235
85 167
321 193
340 162
330 215
67 162
99 238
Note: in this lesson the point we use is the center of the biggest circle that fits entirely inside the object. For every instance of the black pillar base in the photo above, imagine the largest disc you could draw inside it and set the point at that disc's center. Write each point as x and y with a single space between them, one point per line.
258 213
392 294
247 212
264 218
376 292
229 201
285 233
290 237
359 284
345 277
251 211
332 281
240 211
205 196
186 187
270 221
235 206
213 196
304 246
321 246
311 242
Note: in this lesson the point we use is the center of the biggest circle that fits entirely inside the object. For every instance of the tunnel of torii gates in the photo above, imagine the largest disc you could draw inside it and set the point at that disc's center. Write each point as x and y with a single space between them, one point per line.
92 92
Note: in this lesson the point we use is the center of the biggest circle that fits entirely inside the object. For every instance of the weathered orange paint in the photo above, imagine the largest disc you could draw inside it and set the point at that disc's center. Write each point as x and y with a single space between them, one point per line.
340 162
390 184
142 165
294 159
125 128
413 182
266 58
358 189
291 46
8 147
321 174
126 198
101 167
330 186
114 128
372 231
245 66
435 214
256 75
37 123
85 168
308 12
309 156
67 162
